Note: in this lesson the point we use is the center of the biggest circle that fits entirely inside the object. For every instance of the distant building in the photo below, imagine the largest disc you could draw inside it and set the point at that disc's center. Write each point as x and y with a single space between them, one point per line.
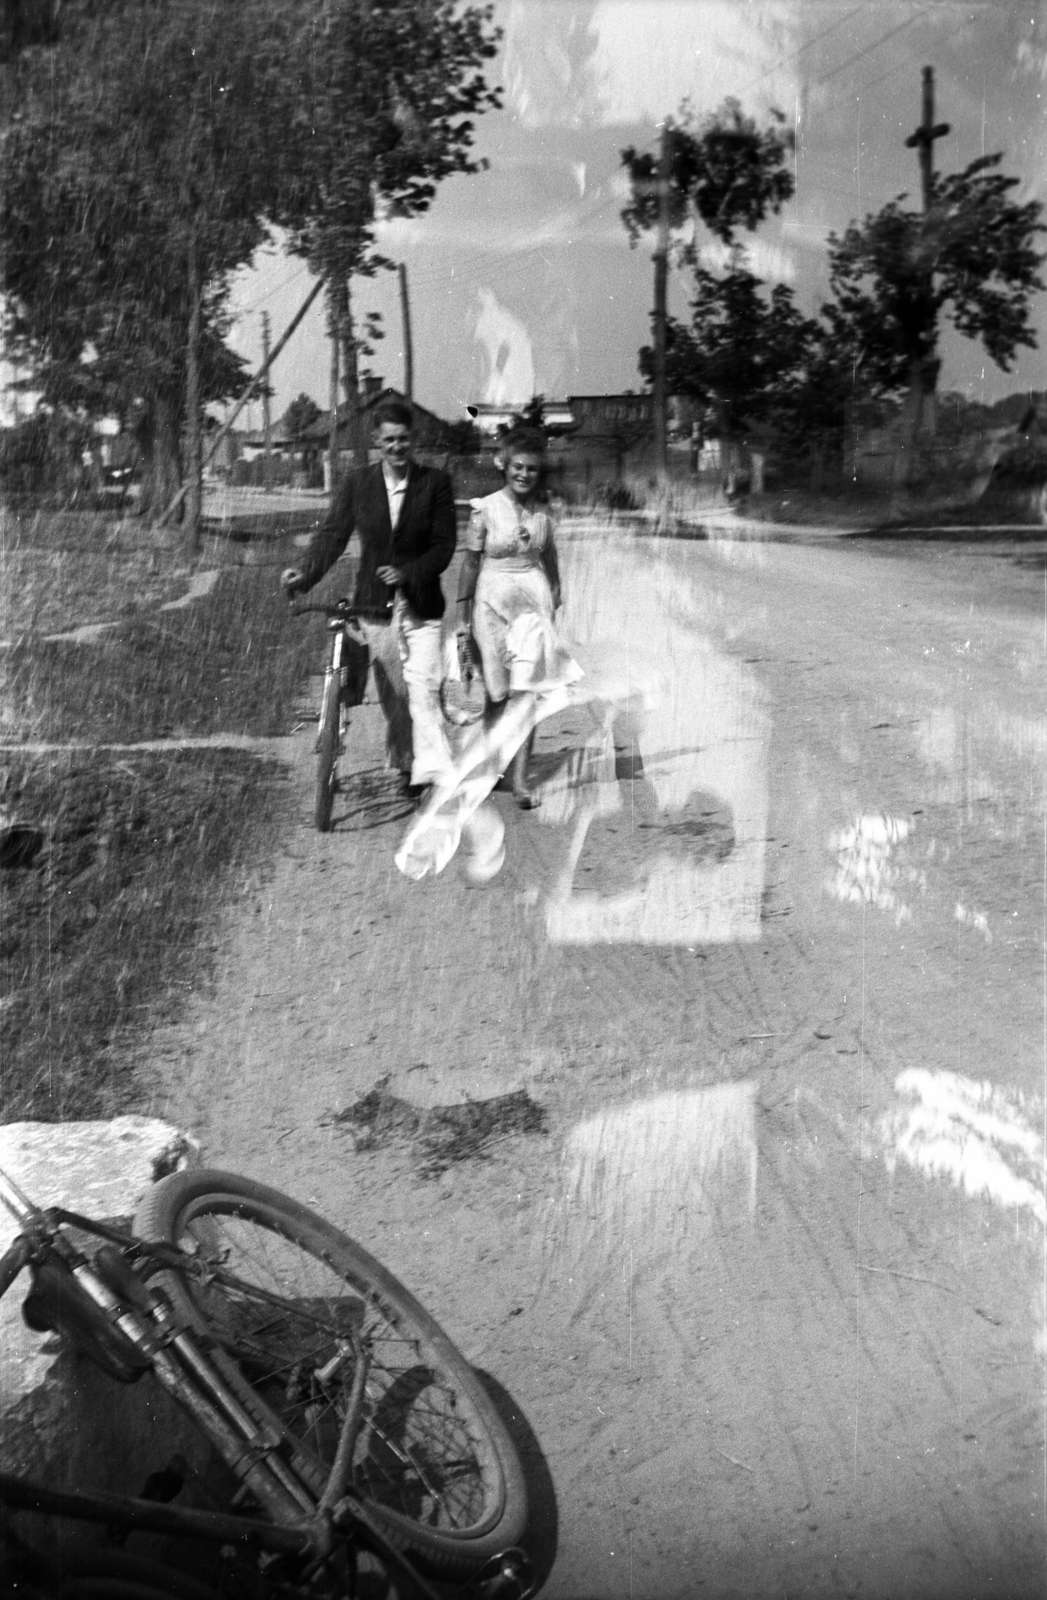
593 438
429 429
557 416
301 458
608 416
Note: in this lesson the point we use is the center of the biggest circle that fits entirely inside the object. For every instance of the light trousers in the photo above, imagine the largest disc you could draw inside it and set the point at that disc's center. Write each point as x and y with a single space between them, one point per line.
408 669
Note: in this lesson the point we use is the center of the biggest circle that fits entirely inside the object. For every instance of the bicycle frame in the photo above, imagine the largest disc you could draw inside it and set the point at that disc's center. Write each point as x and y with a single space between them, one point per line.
115 1297
332 719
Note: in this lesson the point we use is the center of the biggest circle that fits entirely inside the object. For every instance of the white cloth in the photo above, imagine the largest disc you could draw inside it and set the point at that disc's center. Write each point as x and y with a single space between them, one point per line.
485 750
436 832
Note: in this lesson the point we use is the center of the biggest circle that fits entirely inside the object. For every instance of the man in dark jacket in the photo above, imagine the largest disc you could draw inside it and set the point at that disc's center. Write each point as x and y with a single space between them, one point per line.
404 516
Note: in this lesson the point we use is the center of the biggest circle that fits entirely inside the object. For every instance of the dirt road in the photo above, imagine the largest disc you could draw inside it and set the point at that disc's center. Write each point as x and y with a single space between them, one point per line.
770 1289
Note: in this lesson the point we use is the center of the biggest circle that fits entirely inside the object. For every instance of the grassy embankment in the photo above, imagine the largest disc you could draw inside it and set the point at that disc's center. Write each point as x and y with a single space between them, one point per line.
113 923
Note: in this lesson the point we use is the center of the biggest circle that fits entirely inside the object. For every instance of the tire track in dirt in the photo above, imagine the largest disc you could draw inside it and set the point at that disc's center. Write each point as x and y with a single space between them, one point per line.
689 1347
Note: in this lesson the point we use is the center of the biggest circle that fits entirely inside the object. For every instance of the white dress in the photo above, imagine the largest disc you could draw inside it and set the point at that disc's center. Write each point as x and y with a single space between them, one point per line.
513 604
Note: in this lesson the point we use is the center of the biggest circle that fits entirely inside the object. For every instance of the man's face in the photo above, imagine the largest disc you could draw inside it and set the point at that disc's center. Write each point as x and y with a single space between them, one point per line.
394 441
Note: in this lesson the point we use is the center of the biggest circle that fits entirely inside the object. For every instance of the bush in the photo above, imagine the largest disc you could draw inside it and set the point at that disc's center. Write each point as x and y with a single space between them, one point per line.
24 456
616 497
1022 467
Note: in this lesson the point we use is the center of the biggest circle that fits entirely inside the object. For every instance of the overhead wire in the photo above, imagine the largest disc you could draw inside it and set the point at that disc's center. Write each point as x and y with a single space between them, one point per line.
471 267
511 259
293 277
869 48
808 45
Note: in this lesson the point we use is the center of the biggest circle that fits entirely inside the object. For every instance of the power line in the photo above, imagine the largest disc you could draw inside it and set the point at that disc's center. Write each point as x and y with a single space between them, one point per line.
473 267
467 269
855 94
468 265
262 298
788 60
867 50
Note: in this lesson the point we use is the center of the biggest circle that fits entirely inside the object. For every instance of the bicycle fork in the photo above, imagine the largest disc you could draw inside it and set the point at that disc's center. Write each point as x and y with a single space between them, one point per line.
192 1381
250 1450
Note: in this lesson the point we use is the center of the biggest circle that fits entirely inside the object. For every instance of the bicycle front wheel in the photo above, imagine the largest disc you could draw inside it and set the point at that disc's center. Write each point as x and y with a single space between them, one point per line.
327 752
433 1459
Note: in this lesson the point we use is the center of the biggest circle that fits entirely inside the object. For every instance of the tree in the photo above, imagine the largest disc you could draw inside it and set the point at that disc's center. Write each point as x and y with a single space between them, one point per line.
463 437
300 415
743 353
722 171
970 258
809 411
532 415
386 93
24 23
150 149
139 172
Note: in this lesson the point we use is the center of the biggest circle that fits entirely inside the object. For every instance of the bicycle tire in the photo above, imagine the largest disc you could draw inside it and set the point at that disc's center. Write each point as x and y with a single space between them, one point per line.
327 755
434 1462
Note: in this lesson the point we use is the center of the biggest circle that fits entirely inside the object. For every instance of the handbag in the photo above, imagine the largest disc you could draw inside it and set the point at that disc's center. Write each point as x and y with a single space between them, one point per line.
463 696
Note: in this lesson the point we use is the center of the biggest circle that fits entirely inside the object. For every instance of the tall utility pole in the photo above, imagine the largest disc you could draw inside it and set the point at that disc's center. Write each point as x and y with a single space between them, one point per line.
924 137
405 313
351 380
246 399
332 398
924 376
266 420
661 278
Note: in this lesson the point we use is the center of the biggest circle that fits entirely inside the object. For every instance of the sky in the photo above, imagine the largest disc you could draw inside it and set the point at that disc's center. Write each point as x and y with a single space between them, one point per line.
522 279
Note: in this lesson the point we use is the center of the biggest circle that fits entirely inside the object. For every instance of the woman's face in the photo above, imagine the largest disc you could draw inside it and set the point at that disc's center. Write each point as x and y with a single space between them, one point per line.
521 472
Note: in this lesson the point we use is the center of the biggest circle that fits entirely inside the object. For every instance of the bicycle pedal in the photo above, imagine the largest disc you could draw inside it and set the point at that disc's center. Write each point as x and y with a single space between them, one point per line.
508 1576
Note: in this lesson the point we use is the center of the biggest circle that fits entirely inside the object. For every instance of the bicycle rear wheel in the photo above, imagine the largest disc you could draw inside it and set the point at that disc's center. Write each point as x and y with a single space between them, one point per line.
433 1460
327 753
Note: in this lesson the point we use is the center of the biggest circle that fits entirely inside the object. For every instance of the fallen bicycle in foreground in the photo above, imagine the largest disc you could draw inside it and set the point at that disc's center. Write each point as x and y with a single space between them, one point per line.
351 1430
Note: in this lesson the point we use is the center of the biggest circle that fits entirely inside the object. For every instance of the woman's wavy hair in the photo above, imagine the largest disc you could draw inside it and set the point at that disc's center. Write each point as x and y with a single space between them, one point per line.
520 438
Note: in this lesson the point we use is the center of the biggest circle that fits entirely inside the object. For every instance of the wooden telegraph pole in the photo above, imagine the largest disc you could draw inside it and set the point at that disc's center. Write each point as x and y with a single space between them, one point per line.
925 371
405 313
332 398
661 278
266 419
351 377
924 137
245 399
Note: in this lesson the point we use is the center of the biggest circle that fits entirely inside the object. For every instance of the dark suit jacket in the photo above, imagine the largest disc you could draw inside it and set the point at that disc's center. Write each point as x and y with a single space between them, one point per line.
421 545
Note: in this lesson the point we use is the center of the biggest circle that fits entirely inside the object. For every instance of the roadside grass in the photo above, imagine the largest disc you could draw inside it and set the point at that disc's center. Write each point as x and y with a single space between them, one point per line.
25 525
113 924
231 662
53 591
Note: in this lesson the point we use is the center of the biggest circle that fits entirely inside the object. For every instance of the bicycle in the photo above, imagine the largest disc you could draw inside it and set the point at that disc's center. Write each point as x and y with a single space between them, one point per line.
344 1416
330 742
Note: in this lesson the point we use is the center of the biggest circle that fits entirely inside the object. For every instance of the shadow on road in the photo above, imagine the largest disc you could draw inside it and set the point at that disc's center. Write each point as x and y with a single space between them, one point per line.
370 799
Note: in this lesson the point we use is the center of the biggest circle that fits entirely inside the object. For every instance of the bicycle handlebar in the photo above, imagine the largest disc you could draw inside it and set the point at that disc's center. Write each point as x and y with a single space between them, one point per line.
344 609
